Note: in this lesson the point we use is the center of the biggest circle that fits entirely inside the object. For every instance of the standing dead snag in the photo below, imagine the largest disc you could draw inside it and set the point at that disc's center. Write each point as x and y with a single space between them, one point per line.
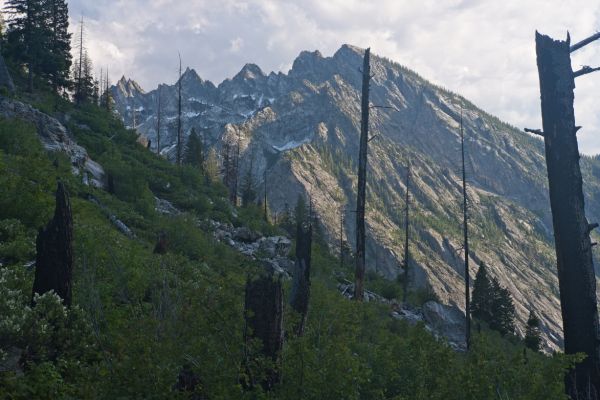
179 127
263 312
576 276
466 238
406 235
301 282
54 246
359 273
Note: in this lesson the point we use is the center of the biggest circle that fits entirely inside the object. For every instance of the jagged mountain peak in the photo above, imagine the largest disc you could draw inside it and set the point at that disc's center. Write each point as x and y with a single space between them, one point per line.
129 87
250 71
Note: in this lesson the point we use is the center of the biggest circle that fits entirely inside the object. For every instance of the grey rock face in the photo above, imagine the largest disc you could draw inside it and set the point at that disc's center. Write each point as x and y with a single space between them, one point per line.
448 321
55 137
302 128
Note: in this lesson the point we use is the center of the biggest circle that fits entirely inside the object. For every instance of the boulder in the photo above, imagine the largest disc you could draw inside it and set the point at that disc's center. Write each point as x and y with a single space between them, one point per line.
246 235
54 137
275 246
447 321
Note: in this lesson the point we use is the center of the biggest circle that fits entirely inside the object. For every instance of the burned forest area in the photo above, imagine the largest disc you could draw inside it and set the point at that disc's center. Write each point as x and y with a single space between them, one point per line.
339 228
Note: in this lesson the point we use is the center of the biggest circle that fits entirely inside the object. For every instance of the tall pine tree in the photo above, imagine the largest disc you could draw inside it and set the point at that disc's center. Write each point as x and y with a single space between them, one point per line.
58 65
194 152
28 35
481 303
492 303
533 338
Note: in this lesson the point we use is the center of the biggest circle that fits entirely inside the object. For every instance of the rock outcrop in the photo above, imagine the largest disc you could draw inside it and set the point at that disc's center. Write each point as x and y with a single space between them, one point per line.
55 137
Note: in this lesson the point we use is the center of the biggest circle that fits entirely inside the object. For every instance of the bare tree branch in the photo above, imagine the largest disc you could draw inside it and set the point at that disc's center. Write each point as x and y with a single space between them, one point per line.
586 69
584 42
535 131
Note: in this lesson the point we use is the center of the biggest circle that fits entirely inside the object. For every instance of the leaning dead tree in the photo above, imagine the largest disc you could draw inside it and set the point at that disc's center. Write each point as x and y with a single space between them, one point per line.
54 246
263 313
576 276
406 234
301 282
359 272
465 238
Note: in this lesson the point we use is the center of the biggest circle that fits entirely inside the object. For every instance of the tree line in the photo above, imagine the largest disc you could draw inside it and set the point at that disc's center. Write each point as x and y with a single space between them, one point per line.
37 40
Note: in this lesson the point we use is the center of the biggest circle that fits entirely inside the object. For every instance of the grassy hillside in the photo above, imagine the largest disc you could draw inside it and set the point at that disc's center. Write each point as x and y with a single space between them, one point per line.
139 317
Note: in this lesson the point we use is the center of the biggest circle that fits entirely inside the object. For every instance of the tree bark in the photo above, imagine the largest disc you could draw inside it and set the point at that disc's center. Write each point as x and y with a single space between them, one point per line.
54 245
359 289
301 283
576 276
263 311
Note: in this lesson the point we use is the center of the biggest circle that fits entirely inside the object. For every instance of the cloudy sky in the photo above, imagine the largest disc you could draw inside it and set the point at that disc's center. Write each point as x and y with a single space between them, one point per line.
483 49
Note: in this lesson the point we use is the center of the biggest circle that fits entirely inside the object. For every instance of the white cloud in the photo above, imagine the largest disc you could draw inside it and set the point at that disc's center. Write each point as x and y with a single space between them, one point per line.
483 49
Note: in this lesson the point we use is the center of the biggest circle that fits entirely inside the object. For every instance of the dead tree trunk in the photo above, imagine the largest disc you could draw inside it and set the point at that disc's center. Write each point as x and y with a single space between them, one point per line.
179 138
406 235
54 246
576 276
359 273
465 238
263 311
301 282
158 121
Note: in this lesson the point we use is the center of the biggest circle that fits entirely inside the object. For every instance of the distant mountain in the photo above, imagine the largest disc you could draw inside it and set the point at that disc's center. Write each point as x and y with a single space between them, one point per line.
303 129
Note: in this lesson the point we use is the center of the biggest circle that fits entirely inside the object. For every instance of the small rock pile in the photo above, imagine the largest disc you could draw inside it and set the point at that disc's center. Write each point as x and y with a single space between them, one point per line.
442 321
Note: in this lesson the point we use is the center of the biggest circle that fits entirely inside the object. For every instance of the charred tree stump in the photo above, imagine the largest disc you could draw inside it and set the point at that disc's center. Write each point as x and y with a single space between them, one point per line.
263 313
301 282
162 244
54 246
576 276
359 290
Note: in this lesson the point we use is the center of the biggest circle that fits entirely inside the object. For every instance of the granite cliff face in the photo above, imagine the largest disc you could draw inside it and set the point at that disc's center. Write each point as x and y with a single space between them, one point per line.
303 129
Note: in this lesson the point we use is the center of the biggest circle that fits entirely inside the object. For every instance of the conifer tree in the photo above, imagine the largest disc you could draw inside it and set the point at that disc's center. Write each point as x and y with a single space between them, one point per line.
503 310
28 35
248 189
481 304
533 338
194 152
492 303
58 66
211 166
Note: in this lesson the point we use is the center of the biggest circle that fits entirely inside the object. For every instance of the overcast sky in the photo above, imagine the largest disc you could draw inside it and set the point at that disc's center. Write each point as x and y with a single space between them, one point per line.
482 49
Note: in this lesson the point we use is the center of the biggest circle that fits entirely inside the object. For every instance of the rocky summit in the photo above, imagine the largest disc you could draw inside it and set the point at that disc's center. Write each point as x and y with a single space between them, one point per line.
302 129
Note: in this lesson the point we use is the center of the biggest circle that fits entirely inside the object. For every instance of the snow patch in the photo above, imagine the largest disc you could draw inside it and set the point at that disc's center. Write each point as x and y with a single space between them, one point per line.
291 145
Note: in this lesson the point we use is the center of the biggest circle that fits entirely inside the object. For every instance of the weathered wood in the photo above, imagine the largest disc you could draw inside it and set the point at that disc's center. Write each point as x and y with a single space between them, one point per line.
534 131
359 290
54 246
586 69
263 311
301 282
585 41
576 276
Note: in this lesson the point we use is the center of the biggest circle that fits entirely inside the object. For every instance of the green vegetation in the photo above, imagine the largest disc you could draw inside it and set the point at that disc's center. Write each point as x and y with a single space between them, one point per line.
139 317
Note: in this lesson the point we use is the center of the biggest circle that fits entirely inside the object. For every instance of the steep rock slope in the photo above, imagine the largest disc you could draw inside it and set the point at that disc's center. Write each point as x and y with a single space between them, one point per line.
303 129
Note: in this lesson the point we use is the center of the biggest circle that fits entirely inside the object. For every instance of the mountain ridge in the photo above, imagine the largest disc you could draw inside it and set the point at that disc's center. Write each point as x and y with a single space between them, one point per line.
302 129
